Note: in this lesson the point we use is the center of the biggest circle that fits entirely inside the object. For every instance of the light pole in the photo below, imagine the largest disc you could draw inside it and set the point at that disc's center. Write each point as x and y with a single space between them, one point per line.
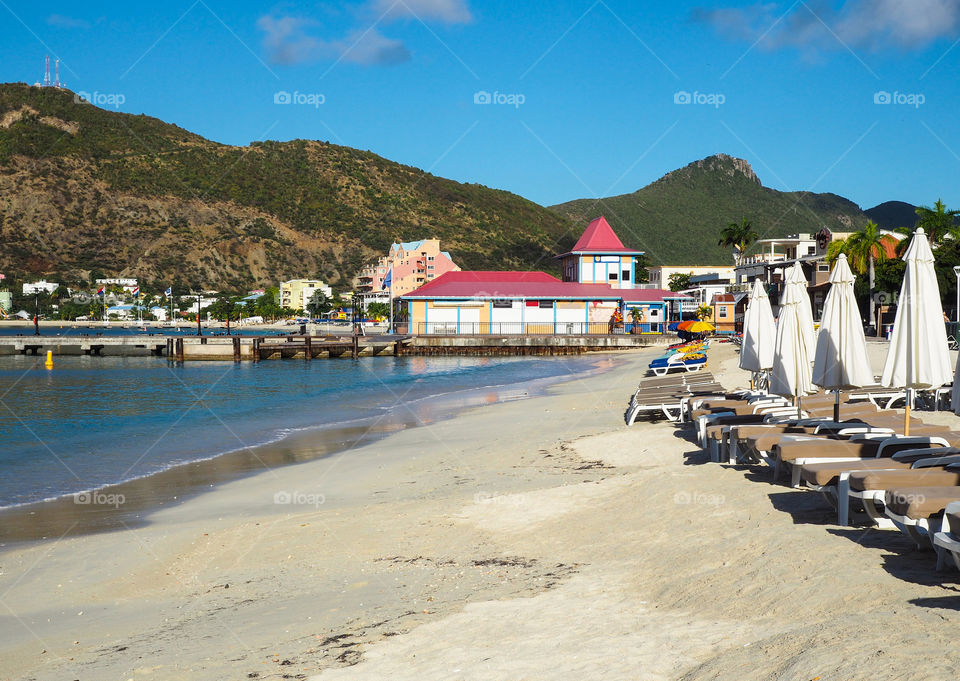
36 313
956 271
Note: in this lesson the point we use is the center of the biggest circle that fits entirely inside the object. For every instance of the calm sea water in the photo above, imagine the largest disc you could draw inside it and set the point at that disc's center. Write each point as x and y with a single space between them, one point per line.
95 421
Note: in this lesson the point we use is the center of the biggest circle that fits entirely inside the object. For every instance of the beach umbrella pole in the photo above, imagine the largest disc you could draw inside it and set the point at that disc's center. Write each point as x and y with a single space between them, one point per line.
906 415
836 406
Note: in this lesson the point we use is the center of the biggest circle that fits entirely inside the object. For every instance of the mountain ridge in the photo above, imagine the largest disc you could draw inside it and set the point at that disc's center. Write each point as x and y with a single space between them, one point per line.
700 199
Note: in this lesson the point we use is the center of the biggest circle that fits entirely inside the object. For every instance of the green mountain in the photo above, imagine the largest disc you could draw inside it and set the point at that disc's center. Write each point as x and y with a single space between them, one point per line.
83 189
893 214
676 220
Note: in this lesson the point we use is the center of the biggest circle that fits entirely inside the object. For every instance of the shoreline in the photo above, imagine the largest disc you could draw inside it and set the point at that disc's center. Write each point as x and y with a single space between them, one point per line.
128 503
366 550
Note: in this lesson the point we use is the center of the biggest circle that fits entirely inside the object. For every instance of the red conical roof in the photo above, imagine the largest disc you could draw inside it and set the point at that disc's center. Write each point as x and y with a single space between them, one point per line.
599 237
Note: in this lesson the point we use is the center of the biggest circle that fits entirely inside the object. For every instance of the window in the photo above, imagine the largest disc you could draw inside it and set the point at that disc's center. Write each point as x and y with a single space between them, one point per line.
546 304
626 275
503 304
722 312
823 267
612 276
811 250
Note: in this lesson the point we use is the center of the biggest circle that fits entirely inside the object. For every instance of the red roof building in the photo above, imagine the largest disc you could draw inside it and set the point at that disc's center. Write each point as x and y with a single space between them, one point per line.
599 257
597 283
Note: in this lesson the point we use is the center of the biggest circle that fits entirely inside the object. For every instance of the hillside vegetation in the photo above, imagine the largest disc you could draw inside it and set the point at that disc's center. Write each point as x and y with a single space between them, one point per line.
676 220
85 189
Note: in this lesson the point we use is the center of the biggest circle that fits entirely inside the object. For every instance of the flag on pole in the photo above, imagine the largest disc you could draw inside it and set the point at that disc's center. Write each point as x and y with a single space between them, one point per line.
168 292
100 291
136 291
388 280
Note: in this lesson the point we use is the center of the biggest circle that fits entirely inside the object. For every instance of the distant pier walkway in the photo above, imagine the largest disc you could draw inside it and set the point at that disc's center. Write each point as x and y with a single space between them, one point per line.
257 348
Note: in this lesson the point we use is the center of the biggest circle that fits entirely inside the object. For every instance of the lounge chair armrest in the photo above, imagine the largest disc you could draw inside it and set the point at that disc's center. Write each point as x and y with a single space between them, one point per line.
924 453
945 461
899 441
857 430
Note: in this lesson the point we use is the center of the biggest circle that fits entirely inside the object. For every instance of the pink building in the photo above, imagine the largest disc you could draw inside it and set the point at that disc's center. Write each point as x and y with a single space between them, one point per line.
414 263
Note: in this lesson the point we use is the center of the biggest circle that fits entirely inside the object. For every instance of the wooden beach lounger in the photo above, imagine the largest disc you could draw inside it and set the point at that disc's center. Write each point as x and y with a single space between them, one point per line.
918 511
871 486
833 479
795 451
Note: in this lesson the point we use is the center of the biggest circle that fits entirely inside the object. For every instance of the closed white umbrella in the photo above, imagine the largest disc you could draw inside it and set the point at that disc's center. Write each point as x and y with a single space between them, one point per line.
759 332
840 360
918 355
791 374
796 277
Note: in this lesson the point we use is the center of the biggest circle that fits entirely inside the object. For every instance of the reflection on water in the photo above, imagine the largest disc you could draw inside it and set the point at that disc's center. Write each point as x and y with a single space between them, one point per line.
92 422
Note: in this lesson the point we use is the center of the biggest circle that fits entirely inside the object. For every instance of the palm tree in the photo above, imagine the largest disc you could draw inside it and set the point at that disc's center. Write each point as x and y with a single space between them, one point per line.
739 235
937 222
835 248
864 248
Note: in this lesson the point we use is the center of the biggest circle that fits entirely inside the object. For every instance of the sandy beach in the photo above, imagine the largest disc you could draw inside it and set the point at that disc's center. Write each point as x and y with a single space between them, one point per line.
530 539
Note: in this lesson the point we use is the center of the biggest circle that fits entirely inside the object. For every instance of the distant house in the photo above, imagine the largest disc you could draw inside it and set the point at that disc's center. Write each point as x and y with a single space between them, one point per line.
122 311
659 275
41 286
728 311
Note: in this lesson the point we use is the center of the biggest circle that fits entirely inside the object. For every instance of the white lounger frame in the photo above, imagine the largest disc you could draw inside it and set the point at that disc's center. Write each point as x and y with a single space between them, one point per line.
946 542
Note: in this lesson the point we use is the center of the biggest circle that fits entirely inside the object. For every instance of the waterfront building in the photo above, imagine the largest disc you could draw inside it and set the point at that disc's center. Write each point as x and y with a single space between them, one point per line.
296 293
411 264
598 283
599 257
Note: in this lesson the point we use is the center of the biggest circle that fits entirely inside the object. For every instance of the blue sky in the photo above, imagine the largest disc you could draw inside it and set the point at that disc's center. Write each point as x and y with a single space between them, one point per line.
585 98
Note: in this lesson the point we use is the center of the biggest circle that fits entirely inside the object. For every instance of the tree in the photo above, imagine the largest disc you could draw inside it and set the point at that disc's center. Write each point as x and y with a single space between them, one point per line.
319 304
379 310
835 248
937 222
865 248
739 236
678 281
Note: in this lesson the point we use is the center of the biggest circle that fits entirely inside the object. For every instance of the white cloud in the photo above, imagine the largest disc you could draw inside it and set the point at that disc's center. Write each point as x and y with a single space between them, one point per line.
872 24
288 41
445 11
62 21
372 48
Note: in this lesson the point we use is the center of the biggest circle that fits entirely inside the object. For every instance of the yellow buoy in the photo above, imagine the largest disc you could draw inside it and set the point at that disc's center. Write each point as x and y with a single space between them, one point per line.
49 362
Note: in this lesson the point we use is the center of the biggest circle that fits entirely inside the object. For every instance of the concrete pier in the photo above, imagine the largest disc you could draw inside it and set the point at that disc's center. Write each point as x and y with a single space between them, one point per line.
307 347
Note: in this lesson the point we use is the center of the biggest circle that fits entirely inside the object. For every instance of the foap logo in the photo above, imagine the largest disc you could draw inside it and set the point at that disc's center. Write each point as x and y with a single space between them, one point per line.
499 499
101 99
484 97
295 498
914 99
314 99
685 498
908 498
99 499
714 99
